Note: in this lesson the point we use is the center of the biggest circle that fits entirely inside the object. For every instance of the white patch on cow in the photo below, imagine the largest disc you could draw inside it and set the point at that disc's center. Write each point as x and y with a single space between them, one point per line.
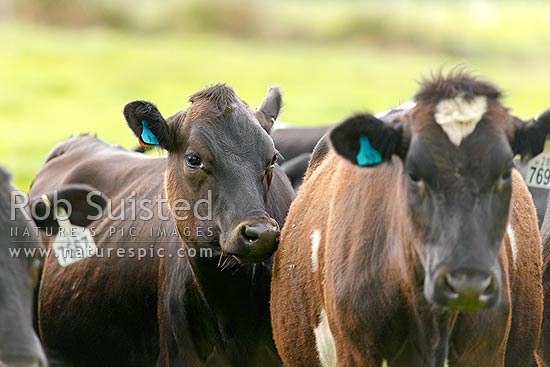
315 242
513 243
379 115
281 125
408 105
405 106
324 341
458 117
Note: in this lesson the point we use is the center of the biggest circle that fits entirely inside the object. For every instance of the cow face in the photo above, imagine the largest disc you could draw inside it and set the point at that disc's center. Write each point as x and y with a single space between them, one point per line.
220 154
456 146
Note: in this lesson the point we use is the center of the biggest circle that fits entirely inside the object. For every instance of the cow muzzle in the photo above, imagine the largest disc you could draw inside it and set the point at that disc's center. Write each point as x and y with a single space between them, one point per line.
465 289
253 241
19 361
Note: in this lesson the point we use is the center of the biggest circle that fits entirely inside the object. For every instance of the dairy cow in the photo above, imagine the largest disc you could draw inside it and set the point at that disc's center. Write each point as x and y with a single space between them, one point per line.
214 207
413 241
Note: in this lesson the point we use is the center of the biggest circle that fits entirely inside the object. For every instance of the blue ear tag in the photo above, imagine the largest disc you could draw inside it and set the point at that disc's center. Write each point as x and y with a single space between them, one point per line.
147 135
367 155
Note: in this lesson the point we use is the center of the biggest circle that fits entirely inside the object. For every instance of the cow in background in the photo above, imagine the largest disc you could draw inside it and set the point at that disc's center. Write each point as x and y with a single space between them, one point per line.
21 263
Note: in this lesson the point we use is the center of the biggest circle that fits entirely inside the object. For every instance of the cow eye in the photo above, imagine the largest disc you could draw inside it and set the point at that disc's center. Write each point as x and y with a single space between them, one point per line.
194 161
274 160
414 177
417 184
505 180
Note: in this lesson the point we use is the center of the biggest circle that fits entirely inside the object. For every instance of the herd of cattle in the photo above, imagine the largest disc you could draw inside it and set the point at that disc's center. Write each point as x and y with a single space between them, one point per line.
405 238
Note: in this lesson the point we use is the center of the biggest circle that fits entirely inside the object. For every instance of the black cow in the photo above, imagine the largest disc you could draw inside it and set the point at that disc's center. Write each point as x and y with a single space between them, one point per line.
296 168
293 141
210 306
20 264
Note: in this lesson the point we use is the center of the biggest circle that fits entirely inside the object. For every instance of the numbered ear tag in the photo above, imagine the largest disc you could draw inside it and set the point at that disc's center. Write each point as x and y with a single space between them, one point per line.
538 169
147 135
367 155
73 243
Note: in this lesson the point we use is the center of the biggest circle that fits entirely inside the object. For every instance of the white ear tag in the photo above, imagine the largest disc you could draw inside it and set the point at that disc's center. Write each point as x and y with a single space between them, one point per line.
538 169
73 243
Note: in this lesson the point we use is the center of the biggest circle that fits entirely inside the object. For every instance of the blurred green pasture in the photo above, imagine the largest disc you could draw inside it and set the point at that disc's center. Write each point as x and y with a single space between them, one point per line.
332 60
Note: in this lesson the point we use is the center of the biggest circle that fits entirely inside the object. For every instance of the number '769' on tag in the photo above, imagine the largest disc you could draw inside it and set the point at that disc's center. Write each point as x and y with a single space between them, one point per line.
538 172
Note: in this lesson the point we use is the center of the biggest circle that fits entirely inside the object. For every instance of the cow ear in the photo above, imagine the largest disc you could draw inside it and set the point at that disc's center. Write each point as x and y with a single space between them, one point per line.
365 140
530 135
270 108
82 203
147 123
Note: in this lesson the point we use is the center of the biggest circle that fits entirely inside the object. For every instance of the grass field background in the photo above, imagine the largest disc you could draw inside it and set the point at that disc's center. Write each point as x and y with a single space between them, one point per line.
330 59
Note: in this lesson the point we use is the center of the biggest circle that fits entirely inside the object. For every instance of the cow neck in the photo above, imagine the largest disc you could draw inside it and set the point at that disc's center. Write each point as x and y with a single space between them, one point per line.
236 300
222 287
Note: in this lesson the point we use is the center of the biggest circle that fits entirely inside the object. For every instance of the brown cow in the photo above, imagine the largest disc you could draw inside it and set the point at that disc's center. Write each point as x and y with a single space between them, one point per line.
167 309
405 228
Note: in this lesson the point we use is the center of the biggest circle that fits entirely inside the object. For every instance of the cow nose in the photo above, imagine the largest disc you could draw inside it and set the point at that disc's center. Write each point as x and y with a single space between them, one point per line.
19 361
468 289
259 232
257 240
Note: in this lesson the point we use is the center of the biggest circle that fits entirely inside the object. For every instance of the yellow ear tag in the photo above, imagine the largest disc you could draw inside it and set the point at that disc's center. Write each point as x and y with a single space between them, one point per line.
73 243
538 168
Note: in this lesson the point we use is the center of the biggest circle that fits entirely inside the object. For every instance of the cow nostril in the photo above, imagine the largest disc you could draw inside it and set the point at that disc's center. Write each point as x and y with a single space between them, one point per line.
255 233
490 290
250 234
449 285
255 241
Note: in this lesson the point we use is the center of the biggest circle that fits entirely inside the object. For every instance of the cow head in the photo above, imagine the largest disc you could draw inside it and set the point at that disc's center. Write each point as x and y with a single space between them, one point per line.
456 147
20 262
219 151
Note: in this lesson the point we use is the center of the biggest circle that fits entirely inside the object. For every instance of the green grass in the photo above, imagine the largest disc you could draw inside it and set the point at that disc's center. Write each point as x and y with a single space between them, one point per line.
58 82
461 27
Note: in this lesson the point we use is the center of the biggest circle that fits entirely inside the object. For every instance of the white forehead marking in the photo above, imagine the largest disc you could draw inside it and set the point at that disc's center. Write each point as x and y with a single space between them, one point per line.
513 242
315 242
324 341
459 117
384 363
